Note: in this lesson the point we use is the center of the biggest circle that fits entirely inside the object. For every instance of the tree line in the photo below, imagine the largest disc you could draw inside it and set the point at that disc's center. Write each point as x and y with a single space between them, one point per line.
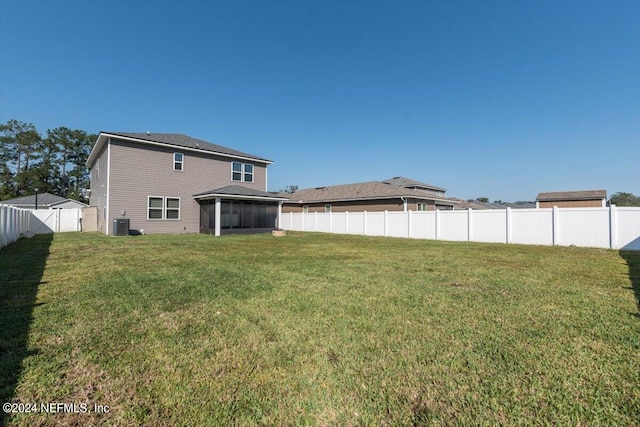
51 163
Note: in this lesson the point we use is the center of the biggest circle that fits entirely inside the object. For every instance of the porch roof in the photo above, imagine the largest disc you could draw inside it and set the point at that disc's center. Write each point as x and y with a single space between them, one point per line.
239 192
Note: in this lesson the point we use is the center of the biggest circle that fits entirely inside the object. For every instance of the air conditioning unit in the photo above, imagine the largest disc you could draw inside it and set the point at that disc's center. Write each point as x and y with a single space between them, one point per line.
121 227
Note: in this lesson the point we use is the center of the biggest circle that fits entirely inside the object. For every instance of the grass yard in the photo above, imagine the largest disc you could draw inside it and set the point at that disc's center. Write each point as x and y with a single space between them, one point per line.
317 329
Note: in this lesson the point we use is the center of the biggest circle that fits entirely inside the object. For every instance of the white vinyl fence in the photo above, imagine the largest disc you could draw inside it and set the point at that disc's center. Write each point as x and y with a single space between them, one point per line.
55 220
611 227
15 222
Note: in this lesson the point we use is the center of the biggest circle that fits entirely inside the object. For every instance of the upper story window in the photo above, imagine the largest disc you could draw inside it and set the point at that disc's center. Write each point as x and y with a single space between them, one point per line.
178 161
242 172
327 208
248 172
422 206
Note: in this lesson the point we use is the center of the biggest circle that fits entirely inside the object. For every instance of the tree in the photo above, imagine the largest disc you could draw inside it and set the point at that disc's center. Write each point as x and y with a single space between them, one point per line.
624 199
55 164
289 189
483 199
19 148
72 148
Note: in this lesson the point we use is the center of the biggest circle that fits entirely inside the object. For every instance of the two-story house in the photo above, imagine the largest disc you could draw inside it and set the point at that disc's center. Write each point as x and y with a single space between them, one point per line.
173 183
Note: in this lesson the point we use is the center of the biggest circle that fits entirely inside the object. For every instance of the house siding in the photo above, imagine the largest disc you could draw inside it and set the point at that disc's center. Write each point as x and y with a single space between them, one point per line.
572 204
141 170
391 205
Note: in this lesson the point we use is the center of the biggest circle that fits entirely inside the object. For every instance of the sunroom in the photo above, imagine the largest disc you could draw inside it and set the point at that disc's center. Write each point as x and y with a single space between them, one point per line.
237 209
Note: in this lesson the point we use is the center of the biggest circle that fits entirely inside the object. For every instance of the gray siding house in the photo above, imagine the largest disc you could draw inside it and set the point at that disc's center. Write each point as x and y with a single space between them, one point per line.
173 183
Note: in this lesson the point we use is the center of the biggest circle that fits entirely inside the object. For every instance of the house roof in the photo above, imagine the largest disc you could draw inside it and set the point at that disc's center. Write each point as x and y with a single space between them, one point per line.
401 181
239 192
44 199
572 195
478 205
373 190
171 139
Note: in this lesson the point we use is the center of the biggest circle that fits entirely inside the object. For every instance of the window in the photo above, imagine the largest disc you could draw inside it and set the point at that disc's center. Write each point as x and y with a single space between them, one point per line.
236 171
159 208
178 161
242 172
422 206
248 173
305 208
155 207
327 208
172 208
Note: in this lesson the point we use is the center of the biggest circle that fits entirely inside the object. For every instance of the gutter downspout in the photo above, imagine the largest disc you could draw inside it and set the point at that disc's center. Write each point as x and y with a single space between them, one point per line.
108 198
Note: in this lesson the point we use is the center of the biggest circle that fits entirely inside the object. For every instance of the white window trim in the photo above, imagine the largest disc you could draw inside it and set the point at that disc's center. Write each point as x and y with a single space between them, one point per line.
305 208
327 208
160 208
164 208
167 208
232 172
243 174
424 205
175 162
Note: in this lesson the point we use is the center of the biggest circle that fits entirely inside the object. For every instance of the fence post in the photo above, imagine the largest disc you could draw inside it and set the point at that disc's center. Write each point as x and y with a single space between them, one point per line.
2 228
386 218
5 226
554 225
469 227
12 225
613 227
508 225
346 222
409 225
436 223
290 220
364 223
330 222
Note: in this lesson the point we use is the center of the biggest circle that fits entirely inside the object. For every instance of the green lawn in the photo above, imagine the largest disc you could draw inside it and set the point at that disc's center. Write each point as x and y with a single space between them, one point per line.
318 329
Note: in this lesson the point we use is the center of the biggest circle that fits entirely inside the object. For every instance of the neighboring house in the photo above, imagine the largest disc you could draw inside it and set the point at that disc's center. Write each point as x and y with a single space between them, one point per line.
411 184
396 194
479 205
44 201
173 183
572 199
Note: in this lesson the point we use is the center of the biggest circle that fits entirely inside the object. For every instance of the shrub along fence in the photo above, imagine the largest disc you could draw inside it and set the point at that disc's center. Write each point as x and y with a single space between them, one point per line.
610 227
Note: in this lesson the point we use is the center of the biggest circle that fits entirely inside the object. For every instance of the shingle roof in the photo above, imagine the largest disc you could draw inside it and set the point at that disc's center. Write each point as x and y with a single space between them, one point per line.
360 191
478 205
44 199
238 190
401 181
180 140
572 195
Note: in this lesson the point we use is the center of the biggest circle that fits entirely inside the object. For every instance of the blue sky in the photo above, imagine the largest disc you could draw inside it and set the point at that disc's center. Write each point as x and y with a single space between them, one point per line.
484 98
